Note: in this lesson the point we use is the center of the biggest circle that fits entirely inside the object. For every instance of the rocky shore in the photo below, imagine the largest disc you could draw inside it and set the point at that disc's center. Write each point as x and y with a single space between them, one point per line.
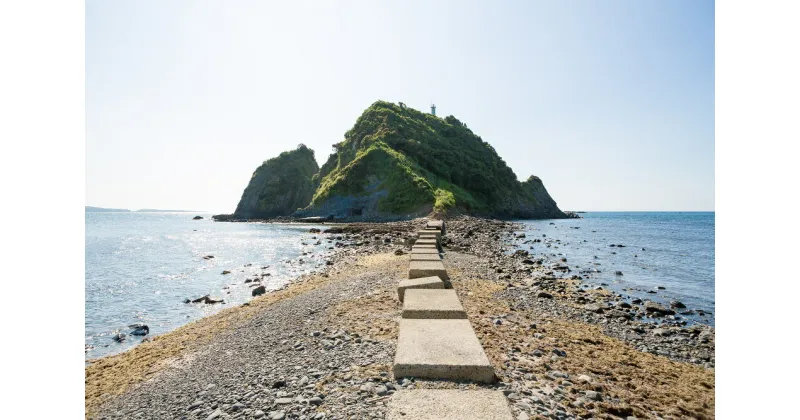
323 347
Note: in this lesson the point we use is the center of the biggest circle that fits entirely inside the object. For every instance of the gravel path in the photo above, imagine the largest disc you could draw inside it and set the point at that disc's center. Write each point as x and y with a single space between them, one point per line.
289 361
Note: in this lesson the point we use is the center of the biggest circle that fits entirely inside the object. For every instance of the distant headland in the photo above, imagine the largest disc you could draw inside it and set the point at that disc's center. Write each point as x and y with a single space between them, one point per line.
90 209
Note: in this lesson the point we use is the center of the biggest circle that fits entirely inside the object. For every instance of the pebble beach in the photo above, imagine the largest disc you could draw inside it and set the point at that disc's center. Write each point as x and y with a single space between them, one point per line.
323 347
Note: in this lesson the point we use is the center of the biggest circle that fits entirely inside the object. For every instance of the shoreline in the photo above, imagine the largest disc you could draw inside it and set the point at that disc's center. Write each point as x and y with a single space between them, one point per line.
353 239
339 327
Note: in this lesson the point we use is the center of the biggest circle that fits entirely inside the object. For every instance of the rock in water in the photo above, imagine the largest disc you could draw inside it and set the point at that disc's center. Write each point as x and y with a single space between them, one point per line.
260 290
677 304
139 329
197 218
208 300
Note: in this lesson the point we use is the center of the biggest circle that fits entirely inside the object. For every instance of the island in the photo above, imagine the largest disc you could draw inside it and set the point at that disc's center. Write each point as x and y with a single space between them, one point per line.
395 163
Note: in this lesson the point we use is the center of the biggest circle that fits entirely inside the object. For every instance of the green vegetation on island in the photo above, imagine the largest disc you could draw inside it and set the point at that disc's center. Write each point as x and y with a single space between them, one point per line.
396 162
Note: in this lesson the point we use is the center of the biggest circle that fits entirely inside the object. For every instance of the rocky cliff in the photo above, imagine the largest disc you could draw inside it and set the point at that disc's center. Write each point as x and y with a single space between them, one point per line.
279 186
540 205
397 162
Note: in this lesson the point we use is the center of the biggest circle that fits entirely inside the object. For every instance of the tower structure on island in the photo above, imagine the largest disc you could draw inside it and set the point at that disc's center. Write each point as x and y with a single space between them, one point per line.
433 109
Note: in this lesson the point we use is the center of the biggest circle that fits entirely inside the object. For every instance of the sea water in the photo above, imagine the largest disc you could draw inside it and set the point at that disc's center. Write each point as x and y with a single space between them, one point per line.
140 267
673 250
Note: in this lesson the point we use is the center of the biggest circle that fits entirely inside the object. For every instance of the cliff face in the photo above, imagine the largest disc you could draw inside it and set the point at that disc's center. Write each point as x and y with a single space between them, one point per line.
396 162
279 186
540 205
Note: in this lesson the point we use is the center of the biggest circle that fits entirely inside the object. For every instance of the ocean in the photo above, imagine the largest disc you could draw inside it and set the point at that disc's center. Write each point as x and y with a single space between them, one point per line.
671 250
140 267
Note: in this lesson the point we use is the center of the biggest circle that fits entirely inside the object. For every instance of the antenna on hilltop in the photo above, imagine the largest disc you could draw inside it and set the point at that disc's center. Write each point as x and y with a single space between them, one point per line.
433 109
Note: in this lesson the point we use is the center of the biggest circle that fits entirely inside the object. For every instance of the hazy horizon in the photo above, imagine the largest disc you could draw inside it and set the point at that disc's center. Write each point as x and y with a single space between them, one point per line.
134 210
611 104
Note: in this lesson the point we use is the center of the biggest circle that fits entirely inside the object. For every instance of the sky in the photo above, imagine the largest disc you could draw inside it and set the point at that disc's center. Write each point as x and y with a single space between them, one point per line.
610 103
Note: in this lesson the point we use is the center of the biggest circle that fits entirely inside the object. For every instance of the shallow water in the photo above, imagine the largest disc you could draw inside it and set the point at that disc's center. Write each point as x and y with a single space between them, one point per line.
141 266
674 250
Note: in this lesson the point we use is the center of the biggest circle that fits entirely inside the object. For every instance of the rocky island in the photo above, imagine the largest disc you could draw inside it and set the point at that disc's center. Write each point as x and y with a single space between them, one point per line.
395 163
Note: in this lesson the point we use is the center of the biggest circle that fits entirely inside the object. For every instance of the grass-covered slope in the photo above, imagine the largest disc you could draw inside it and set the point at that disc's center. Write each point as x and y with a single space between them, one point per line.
400 161
279 186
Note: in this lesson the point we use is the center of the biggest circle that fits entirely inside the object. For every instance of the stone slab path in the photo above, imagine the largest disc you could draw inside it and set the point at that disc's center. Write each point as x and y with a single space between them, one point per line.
418 283
441 349
418 269
424 250
448 404
425 257
432 304
436 341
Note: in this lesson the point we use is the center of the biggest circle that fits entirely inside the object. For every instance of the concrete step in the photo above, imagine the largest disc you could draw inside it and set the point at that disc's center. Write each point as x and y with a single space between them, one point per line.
436 224
424 246
419 283
440 349
448 404
432 304
429 233
425 257
417 269
427 250
426 242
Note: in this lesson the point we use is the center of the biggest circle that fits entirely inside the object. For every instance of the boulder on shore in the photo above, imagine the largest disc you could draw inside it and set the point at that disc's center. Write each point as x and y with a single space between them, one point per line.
260 290
656 309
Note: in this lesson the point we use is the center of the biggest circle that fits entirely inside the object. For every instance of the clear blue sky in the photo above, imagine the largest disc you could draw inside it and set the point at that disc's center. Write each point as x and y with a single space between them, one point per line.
611 103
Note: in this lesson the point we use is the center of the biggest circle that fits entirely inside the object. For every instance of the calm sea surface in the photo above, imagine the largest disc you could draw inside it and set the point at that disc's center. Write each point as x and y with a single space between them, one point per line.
674 250
141 266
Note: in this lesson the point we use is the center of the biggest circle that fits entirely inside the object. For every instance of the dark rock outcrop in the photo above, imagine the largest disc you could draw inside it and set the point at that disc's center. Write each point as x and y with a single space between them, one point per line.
279 186
535 202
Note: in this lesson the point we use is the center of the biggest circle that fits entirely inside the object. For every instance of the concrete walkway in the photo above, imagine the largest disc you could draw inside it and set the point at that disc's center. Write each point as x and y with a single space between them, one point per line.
437 341
432 282
418 269
448 404
432 304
